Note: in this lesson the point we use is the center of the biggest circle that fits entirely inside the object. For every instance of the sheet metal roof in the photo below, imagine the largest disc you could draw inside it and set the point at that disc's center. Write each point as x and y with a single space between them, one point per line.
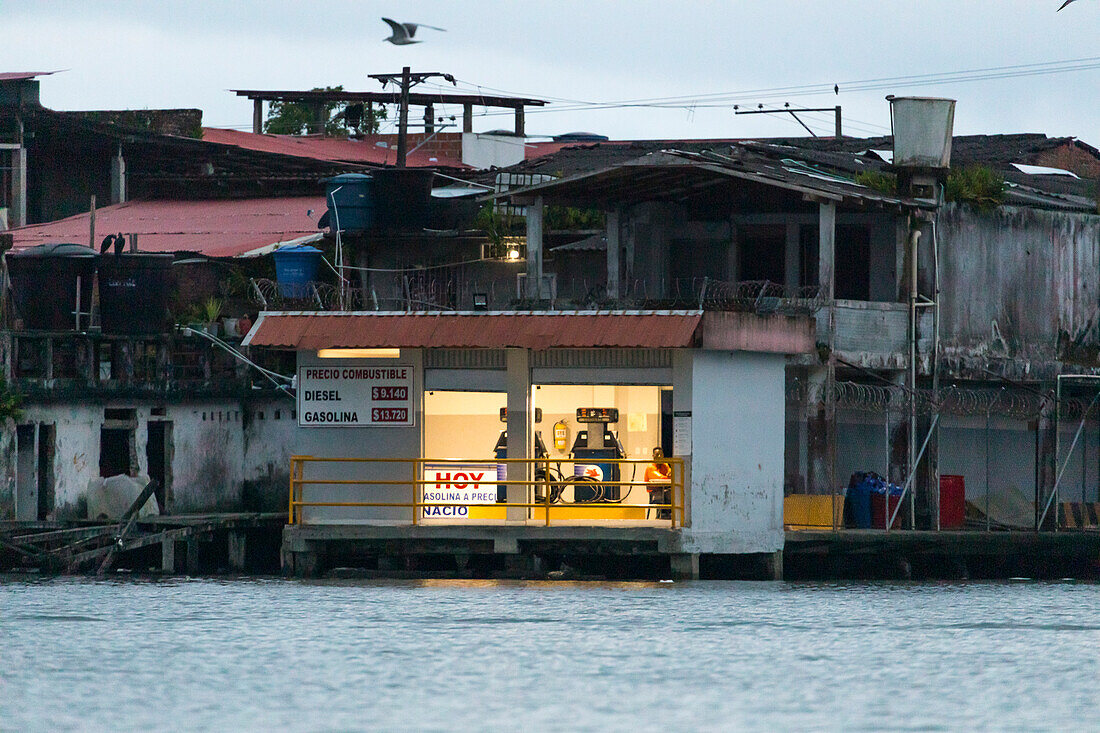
364 152
216 228
492 330
678 175
22 75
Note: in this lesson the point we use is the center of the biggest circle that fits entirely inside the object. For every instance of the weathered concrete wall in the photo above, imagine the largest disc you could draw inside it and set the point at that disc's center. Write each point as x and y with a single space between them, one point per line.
736 480
7 470
223 455
1014 282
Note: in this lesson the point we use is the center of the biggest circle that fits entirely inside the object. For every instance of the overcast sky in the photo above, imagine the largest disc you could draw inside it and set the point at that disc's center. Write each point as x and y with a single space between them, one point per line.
139 54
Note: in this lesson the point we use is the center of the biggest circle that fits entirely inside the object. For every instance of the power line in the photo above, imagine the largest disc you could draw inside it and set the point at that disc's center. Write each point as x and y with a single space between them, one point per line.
719 99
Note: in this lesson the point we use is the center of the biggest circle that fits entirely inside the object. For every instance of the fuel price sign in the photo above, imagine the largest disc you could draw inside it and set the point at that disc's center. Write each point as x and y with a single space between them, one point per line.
359 396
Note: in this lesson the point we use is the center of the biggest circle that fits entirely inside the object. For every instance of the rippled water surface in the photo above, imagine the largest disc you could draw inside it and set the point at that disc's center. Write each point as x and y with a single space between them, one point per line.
445 655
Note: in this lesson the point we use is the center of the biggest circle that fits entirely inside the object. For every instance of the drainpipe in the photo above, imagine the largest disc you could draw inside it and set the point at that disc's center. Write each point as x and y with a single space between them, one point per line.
914 239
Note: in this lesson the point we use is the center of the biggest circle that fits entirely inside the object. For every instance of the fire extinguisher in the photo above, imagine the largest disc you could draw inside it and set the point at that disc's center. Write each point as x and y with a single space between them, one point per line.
561 436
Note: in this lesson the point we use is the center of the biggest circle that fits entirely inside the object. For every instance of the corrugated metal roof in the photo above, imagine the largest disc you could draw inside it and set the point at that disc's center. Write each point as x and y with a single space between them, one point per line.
216 228
328 149
492 330
22 75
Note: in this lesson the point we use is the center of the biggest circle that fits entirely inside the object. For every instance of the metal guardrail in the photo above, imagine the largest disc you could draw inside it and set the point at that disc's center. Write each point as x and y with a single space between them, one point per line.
544 496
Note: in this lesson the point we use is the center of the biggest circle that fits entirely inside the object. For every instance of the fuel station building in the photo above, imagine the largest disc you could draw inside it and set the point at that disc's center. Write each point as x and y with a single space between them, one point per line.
531 434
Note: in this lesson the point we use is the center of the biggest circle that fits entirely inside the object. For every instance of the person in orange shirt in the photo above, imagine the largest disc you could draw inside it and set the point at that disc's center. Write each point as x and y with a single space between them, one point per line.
659 474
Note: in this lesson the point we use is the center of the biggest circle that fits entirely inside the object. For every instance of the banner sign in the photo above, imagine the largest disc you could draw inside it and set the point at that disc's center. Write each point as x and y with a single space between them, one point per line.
464 484
355 396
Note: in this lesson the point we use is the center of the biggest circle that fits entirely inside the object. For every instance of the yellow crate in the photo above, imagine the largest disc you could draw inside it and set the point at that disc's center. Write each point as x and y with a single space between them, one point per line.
805 511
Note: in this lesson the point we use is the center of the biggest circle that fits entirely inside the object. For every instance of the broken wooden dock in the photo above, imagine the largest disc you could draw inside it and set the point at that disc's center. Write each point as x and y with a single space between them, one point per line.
191 544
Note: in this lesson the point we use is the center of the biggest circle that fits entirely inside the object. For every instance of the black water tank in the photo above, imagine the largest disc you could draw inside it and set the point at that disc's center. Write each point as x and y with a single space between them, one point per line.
44 282
134 292
403 198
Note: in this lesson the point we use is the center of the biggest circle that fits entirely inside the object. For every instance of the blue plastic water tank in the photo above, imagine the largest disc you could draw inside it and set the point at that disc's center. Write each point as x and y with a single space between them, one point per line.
295 268
350 199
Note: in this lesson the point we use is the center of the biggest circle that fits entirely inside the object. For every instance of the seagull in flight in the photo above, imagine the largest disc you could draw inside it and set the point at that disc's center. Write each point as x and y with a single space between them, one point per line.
1067 2
403 32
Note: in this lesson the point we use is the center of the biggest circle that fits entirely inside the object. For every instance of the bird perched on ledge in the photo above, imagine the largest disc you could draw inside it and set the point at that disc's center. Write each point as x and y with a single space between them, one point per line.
403 32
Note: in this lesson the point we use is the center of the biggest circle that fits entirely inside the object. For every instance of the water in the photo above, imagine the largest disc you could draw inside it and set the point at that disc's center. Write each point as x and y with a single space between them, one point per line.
446 655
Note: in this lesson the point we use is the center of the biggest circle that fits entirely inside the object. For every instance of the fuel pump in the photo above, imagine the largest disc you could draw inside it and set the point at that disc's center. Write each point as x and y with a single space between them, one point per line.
597 442
500 450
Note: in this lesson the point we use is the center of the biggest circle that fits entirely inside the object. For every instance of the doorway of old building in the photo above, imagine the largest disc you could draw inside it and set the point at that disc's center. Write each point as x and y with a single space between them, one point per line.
158 449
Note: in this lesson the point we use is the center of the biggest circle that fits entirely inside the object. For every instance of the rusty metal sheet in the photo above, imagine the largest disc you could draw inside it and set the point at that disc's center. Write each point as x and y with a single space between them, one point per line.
622 329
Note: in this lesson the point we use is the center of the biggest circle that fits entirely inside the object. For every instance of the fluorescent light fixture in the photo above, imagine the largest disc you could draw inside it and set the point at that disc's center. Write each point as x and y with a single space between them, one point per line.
358 353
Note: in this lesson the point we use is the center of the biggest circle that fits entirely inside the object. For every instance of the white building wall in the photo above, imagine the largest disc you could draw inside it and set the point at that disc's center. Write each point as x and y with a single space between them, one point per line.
486 151
376 442
737 426
217 452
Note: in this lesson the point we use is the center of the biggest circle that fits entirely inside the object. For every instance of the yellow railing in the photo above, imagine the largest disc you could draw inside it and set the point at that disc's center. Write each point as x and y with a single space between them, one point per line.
545 498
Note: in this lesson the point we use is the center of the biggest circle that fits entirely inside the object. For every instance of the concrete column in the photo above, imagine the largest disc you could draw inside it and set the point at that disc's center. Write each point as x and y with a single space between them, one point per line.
257 116
520 439
237 549
820 431
1045 468
118 178
520 132
826 248
468 117
684 566
533 288
17 215
613 248
792 275
773 565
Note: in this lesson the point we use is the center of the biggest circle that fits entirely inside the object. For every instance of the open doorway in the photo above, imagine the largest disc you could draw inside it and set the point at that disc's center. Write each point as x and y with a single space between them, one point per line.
158 450
26 481
114 451
45 481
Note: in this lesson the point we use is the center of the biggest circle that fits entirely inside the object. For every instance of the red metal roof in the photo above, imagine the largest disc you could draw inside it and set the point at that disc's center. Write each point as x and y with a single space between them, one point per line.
328 148
217 227
492 330
22 75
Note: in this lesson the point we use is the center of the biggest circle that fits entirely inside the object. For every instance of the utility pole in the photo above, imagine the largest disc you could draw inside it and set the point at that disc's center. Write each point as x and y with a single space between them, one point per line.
407 80
787 110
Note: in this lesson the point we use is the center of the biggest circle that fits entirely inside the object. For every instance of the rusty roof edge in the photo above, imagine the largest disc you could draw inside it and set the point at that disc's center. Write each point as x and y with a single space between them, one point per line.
482 314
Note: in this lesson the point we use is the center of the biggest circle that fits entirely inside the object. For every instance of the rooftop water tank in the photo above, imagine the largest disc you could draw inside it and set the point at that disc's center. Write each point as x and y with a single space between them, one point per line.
295 268
134 292
922 128
52 285
350 200
404 197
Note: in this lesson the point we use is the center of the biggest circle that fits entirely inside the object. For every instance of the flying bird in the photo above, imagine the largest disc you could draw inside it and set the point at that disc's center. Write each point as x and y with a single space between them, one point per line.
1067 2
403 32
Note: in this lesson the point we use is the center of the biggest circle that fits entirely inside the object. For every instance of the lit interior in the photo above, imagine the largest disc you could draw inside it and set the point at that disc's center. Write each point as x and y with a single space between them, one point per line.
467 426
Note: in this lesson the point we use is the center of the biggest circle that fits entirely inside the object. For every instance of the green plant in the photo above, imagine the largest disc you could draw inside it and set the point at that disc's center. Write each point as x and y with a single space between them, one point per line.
878 181
299 118
211 310
572 218
9 402
977 185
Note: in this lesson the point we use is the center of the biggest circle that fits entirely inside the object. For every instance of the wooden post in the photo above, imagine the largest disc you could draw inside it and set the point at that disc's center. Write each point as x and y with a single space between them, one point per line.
468 117
257 116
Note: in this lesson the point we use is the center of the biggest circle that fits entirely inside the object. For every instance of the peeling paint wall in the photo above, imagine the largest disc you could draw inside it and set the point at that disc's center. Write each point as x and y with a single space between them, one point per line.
1014 279
224 455
737 430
